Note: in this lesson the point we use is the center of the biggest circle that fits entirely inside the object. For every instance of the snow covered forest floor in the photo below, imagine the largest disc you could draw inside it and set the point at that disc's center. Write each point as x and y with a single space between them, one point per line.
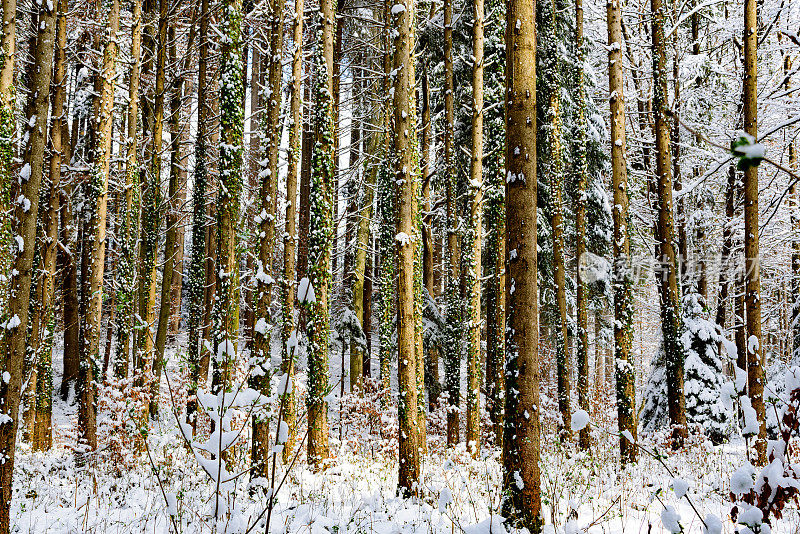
118 491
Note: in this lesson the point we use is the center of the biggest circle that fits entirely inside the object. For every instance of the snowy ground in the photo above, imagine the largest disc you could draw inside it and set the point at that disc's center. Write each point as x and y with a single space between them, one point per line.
118 491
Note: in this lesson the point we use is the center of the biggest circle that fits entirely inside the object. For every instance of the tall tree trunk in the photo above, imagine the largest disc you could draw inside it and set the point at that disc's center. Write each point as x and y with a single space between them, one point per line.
364 217
494 251
172 205
727 247
665 236
352 223
428 243
475 231
43 430
552 170
387 204
289 357
198 252
130 209
225 327
755 364
98 195
7 134
582 171
521 472
267 202
622 276
151 219
321 238
453 316
406 176
303 218
794 321
12 340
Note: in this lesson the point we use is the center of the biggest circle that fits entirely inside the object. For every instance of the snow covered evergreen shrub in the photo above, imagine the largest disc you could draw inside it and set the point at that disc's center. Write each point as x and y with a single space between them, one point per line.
704 381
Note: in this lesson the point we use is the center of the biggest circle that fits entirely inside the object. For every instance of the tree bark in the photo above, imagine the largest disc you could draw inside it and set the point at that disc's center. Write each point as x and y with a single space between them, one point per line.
225 315
25 211
622 279
198 251
290 233
98 195
406 176
473 434
267 202
755 364
322 230
521 472
582 171
665 236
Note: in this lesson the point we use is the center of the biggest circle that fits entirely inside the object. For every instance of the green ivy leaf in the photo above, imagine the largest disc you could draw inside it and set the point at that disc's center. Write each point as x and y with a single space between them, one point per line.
747 151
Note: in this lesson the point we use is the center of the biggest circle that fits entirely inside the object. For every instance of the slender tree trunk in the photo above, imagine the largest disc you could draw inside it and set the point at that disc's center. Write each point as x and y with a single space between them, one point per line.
521 472
622 279
755 364
98 194
69 290
582 171
352 246
387 204
290 234
360 261
225 326
494 251
147 360
404 137
12 340
171 206
428 243
794 321
7 135
552 153
267 202
130 209
43 430
198 252
453 316
305 184
727 247
665 235
322 232
473 435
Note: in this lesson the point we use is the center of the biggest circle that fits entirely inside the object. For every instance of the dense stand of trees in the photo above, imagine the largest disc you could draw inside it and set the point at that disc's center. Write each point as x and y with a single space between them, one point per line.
489 215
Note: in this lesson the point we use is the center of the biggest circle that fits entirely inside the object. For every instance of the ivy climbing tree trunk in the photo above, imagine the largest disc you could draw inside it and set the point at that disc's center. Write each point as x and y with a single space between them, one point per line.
622 276
552 170
7 134
196 284
521 472
494 211
321 236
225 329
